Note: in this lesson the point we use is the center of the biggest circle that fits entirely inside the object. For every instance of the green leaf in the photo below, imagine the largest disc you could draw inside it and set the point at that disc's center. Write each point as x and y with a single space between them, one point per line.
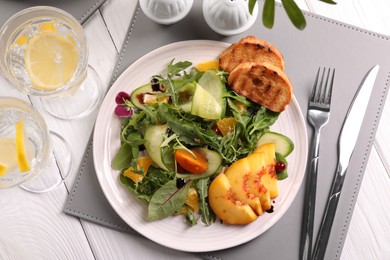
294 13
328 2
206 214
269 13
281 175
251 5
167 200
174 69
123 157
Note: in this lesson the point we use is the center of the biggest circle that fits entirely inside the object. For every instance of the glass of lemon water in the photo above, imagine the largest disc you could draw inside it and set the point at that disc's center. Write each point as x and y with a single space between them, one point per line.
25 148
44 53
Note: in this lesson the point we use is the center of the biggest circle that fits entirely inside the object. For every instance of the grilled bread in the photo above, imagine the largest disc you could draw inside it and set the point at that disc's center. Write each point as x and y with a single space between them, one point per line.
250 49
263 83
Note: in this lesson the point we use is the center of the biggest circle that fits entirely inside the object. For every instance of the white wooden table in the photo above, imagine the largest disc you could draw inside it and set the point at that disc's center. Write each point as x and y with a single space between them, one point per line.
34 226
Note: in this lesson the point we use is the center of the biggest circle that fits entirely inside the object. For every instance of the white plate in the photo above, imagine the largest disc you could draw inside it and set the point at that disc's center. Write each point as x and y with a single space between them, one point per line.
173 232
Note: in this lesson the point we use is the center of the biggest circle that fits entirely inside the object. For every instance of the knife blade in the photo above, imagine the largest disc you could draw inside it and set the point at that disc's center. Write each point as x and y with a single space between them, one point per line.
346 144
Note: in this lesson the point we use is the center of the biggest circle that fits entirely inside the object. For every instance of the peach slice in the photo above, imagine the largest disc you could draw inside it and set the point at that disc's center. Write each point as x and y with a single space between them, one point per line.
225 205
269 179
239 177
257 170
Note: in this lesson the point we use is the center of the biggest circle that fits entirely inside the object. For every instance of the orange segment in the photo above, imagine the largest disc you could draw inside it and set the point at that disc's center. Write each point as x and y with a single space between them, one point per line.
192 200
206 65
226 125
142 163
23 163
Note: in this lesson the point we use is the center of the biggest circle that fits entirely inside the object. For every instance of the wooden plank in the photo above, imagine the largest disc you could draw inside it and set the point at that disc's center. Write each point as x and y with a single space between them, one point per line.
33 226
369 232
118 15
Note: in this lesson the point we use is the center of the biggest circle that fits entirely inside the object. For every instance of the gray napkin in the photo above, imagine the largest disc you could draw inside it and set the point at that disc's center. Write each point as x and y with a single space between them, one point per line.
324 42
80 9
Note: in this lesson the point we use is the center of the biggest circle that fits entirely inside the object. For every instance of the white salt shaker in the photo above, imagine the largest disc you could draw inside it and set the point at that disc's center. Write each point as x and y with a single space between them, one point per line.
166 11
229 17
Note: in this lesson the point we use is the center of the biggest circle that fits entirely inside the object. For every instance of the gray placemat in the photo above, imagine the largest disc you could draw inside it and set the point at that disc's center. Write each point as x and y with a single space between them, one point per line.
324 42
80 9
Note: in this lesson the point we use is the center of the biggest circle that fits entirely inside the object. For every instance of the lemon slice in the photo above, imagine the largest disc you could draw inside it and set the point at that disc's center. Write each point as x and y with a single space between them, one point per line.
3 169
206 65
23 164
51 60
8 161
48 27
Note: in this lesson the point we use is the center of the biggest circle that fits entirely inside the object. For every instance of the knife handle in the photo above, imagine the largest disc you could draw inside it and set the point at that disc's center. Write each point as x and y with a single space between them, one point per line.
310 200
329 214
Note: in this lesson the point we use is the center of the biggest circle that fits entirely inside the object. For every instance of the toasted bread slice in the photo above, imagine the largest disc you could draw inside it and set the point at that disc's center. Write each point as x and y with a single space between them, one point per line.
250 49
262 83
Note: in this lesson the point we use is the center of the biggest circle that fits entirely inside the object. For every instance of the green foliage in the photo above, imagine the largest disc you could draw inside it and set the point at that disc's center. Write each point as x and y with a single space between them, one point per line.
293 12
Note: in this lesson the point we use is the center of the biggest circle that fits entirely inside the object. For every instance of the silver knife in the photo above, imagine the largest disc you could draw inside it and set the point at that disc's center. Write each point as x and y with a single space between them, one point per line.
346 145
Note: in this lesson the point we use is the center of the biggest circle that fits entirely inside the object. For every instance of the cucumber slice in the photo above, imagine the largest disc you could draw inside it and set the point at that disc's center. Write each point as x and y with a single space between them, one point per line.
281 175
185 95
214 161
283 144
213 84
205 105
154 136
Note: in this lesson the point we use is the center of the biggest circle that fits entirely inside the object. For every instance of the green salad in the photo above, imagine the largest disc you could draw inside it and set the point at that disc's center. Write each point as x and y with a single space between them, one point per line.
181 116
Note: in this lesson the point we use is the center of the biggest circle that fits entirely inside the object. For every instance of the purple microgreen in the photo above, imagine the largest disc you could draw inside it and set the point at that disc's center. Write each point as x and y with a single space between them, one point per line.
123 111
122 97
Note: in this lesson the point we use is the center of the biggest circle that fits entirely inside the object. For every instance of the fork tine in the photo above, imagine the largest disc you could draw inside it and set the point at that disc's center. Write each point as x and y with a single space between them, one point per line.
323 84
314 90
330 88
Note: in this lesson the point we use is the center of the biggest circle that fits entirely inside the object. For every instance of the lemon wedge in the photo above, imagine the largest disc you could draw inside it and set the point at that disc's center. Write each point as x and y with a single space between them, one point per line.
50 59
8 161
206 65
23 164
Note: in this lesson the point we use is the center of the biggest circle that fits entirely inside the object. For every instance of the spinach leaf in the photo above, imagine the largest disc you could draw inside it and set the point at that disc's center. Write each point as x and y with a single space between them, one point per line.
167 200
153 180
123 157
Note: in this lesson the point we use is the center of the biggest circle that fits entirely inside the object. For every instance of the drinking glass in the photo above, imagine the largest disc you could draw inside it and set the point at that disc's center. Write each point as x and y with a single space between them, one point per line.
25 148
44 53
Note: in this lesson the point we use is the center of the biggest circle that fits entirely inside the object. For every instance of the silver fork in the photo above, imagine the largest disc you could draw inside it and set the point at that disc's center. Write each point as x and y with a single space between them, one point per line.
318 116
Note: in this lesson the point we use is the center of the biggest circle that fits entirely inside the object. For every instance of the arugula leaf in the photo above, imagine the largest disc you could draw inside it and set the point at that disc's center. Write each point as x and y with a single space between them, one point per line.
167 200
207 215
190 218
134 139
174 69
